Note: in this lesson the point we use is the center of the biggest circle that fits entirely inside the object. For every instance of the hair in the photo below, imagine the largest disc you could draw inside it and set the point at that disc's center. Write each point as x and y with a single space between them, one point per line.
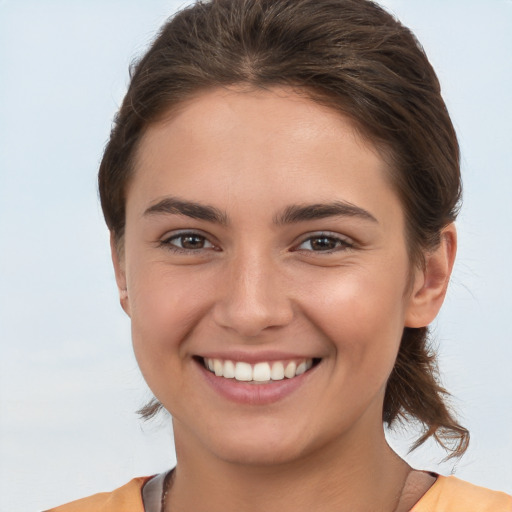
357 59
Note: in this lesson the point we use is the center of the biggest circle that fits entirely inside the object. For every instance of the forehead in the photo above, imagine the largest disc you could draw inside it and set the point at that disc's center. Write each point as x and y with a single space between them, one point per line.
263 113
262 145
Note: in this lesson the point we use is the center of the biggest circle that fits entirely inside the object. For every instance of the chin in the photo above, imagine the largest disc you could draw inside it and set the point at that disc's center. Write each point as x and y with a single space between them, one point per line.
257 452
264 444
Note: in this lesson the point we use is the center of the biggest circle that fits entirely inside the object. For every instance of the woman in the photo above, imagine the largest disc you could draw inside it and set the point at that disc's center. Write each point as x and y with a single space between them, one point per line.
280 186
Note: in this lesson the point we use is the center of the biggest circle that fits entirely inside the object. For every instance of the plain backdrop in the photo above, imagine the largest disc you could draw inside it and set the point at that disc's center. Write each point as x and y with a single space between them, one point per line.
69 384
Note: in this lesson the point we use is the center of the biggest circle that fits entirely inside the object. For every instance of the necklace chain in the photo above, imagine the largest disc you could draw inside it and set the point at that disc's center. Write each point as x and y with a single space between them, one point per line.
166 486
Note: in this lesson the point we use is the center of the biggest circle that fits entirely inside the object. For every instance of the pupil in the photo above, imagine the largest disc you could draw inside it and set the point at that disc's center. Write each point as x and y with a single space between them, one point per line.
323 243
193 242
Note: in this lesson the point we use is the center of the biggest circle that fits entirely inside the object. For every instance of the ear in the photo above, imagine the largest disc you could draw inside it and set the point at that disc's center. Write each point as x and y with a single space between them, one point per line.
431 282
117 251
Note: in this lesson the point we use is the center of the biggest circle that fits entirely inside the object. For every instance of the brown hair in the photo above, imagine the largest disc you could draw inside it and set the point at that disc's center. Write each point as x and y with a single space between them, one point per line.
354 57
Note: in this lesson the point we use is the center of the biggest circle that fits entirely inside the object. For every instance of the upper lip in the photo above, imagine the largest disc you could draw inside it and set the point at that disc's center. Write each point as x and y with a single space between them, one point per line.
256 356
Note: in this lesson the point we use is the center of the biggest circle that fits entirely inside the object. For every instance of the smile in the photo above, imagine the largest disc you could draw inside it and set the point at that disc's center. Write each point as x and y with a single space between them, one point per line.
259 372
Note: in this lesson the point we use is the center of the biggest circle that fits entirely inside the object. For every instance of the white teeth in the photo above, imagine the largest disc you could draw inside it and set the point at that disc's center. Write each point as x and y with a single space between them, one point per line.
243 371
229 370
260 372
301 368
289 372
217 367
277 372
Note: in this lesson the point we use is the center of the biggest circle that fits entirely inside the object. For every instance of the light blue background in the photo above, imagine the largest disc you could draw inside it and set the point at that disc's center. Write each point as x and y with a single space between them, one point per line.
69 384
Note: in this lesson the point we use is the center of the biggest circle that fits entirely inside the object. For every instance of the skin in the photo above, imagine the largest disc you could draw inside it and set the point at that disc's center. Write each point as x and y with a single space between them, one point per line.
249 285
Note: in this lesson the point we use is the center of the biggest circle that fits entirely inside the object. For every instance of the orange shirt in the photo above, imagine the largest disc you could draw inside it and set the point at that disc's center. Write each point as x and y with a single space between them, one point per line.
448 494
127 498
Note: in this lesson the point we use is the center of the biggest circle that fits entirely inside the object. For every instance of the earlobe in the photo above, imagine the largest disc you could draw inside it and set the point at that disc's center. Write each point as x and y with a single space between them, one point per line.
431 282
120 274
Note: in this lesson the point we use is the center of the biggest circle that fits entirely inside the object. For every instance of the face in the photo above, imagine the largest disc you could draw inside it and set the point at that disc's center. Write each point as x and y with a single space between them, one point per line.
266 275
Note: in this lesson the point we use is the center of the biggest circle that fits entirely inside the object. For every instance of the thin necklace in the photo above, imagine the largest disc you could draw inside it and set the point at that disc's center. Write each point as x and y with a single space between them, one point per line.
167 485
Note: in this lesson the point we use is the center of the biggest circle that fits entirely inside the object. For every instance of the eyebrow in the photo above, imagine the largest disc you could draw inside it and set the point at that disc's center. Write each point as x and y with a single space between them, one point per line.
175 206
291 214
301 213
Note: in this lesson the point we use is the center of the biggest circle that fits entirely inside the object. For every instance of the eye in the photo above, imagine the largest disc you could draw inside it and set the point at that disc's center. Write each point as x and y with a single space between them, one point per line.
324 243
187 242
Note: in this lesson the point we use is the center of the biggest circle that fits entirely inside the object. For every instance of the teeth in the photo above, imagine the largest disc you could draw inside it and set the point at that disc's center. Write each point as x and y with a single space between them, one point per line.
229 370
217 367
289 372
300 369
277 372
260 372
243 371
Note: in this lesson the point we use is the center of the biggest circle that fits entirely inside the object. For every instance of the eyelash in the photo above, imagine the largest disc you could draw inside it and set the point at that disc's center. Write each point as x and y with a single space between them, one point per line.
340 243
167 242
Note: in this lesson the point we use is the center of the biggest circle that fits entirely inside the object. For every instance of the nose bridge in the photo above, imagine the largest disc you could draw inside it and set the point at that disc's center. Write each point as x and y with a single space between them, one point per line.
253 297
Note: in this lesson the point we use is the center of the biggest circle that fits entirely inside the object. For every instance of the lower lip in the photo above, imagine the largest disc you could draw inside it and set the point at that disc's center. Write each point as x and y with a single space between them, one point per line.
254 393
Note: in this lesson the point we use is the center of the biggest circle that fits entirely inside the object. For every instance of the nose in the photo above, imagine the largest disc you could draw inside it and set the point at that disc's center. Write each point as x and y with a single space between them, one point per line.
253 297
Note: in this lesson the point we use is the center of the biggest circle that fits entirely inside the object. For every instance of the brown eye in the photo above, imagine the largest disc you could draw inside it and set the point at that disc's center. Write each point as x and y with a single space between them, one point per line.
323 243
188 242
192 242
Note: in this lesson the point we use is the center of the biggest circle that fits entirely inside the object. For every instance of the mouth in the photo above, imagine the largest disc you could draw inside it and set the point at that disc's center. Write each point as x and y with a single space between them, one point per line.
261 372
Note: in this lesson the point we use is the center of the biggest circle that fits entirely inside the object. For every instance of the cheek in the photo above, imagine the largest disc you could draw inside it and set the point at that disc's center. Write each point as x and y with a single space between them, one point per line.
362 314
166 306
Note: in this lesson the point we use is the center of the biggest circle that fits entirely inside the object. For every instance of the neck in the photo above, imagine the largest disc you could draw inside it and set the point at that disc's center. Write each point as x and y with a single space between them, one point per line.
349 476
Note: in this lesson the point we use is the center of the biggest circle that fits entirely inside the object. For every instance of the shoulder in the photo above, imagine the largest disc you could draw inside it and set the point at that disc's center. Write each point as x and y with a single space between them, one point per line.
127 498
450 494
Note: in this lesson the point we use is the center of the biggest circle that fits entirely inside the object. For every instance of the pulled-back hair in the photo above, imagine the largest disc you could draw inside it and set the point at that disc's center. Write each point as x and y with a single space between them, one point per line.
354 57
